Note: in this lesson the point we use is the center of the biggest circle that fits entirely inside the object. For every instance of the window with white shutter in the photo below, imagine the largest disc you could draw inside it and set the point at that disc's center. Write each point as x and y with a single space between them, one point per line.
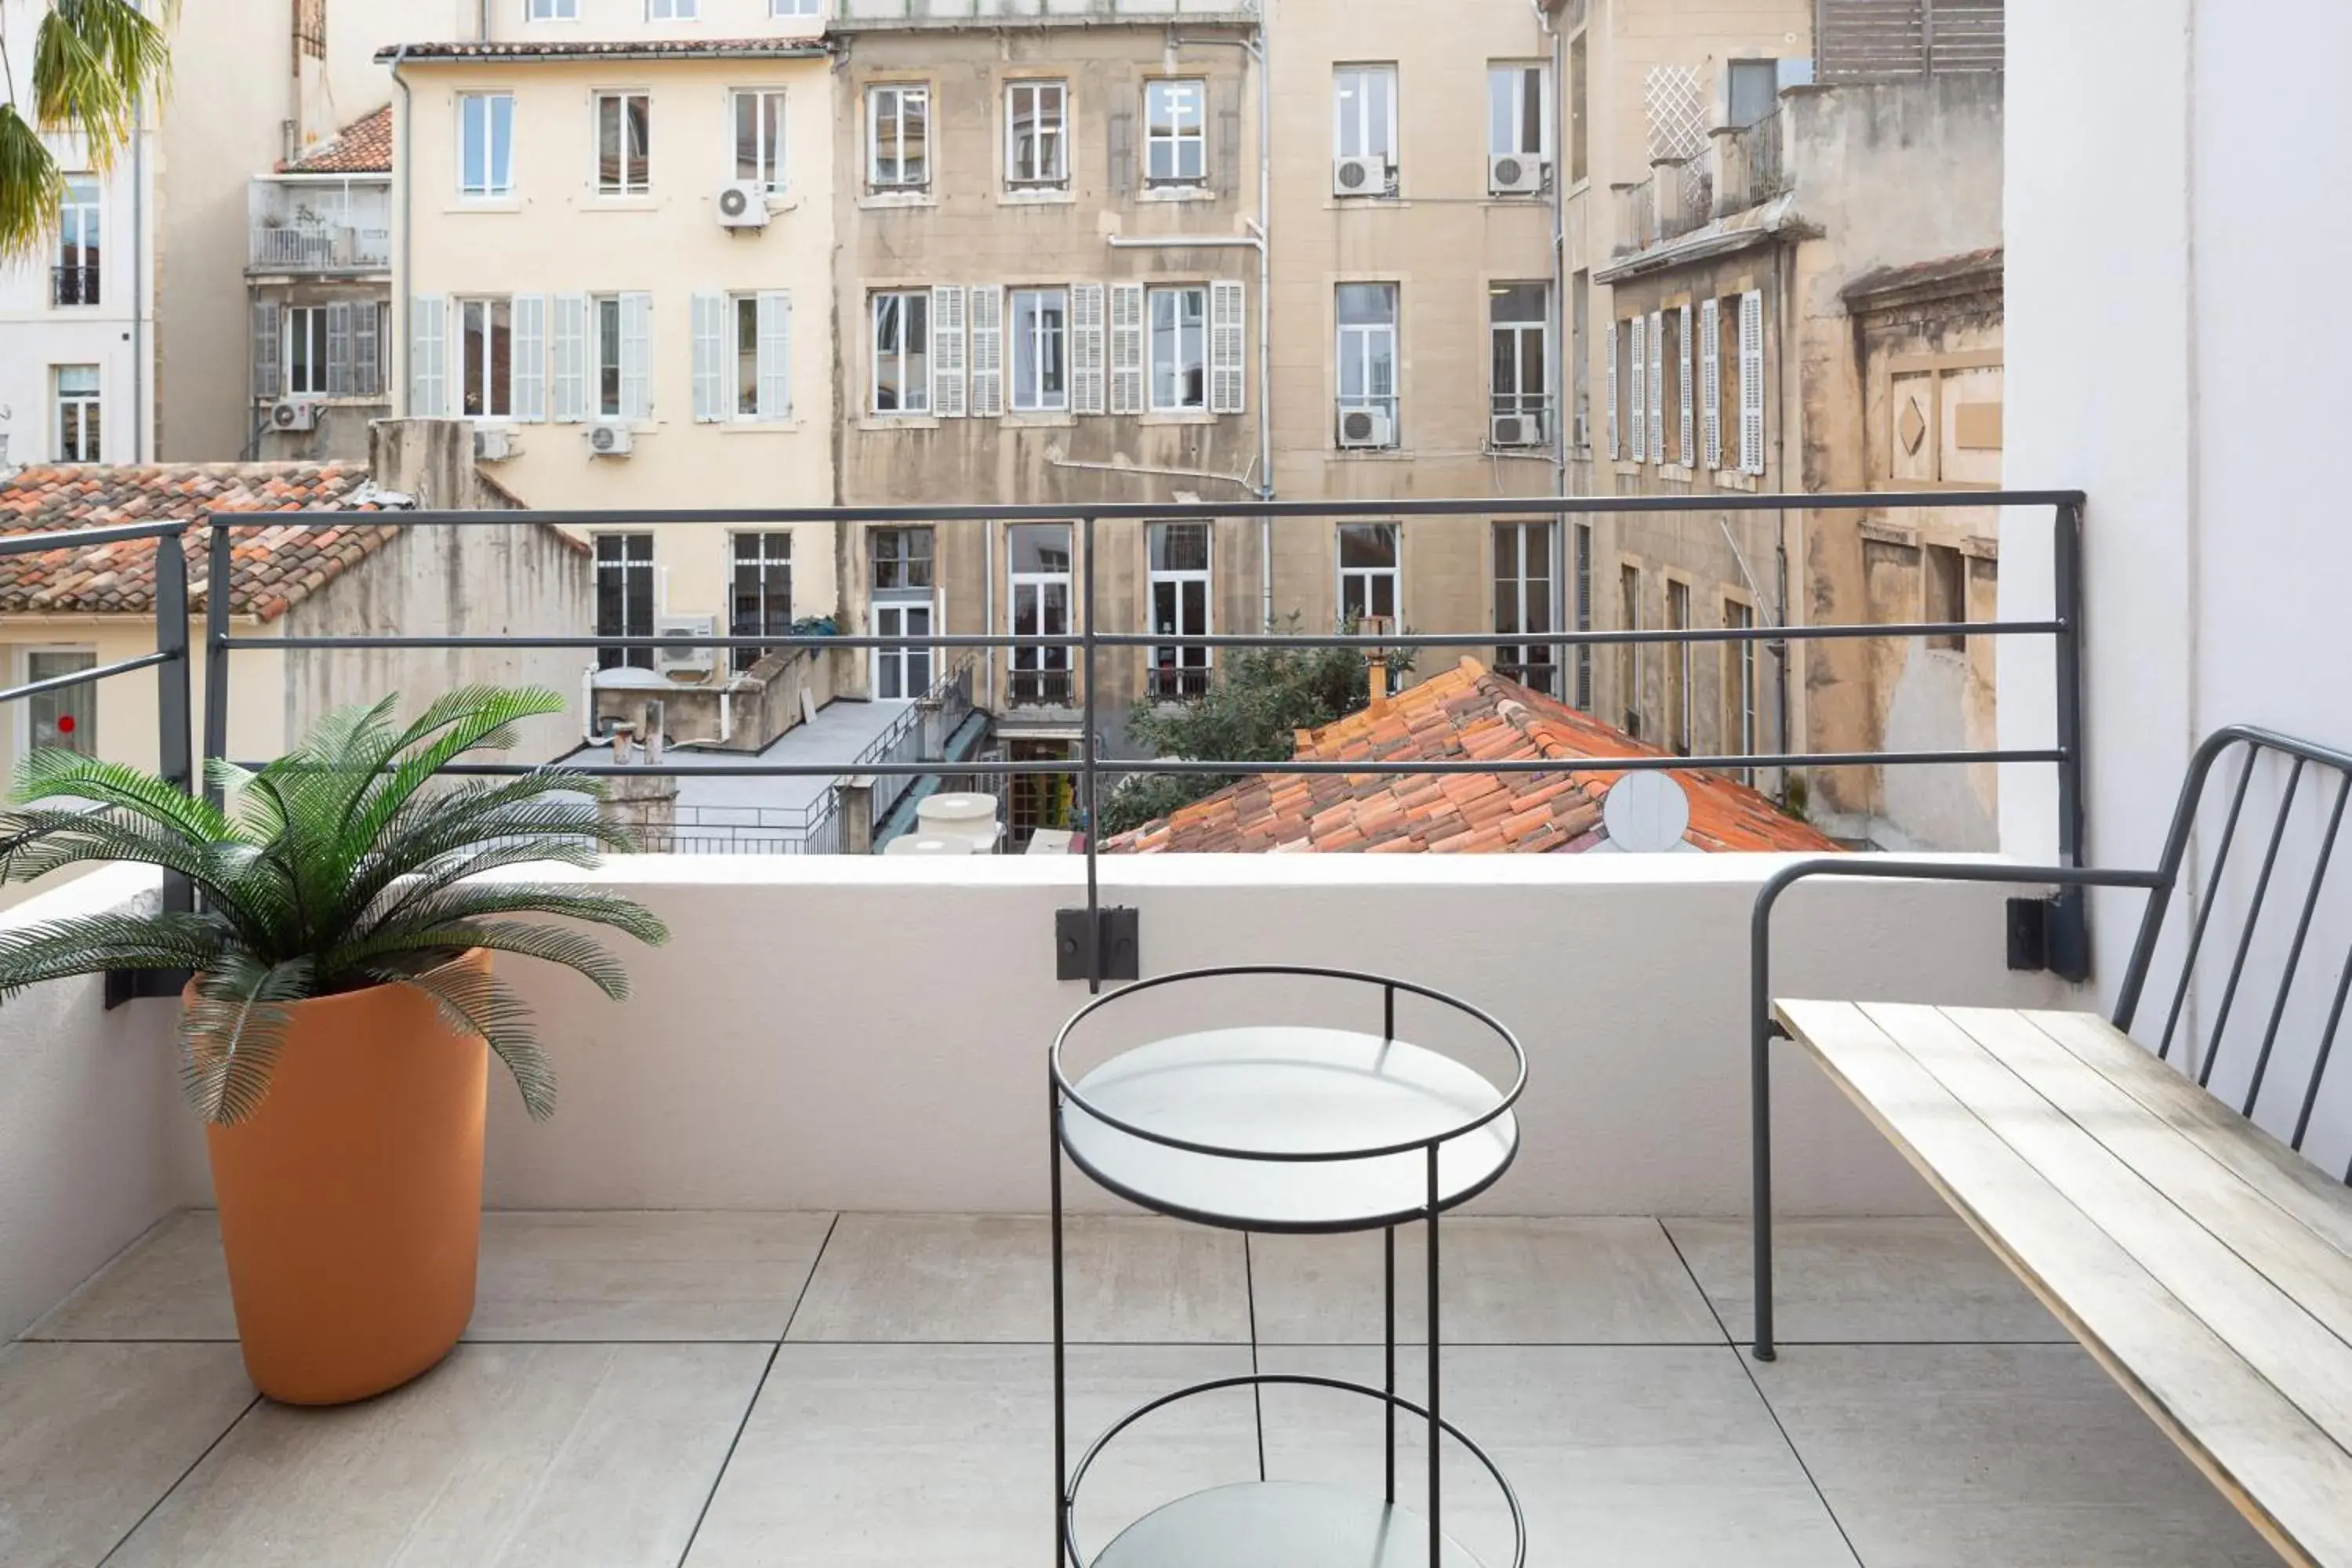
428 356
1086 348
567 402
1710 380
710 358
1684 353
367 349
339 349
986 303
636 357
267 373
776 352
1126 348
531 358
1228 348
1751 382
1613 445
1657 386
1638 397
949 366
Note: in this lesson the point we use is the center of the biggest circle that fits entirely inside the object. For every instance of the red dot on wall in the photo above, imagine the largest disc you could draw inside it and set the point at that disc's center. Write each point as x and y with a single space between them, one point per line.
65 723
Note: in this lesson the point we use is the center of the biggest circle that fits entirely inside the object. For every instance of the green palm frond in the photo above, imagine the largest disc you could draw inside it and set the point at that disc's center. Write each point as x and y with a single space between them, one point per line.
93 63
32 187
90 944
233 1031
482 1004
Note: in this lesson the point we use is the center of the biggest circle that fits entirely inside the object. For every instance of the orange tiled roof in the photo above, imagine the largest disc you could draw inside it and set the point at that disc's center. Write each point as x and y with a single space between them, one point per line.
1466 713
362 147
276 567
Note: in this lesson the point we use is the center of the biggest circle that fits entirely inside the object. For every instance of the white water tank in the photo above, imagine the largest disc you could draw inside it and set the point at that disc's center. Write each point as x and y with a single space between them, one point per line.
971 818
927 843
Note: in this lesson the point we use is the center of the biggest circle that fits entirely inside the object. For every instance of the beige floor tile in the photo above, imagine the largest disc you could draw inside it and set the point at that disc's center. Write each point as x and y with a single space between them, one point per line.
1866 1281
169 1284
1660 1456
882 1456
503 1457
639 1276
2025 1456
964 1279
92 1436
1505 1281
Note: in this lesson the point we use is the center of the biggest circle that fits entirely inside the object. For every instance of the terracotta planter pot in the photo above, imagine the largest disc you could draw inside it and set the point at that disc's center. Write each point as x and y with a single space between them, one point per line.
351 1203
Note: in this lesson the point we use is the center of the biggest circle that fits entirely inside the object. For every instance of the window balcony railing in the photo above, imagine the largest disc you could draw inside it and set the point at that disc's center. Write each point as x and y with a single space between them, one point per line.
1040 688
74 284
1753 167
1685 194
306 248
1178 683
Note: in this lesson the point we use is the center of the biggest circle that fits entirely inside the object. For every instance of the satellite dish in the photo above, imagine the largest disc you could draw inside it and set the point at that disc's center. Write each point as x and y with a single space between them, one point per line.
1645 814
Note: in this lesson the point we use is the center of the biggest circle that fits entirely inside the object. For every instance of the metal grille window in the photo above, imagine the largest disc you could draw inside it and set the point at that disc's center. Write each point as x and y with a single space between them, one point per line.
1680 726
759 138
1367 350
65 718
486 144
625 596
1582 567
1041 375
898 136
1516 122
79 272
1037 133
1037 571
1739 684
1523 605
902 353
1179 589
1519 326
486 330
1180 364
1370 578
761 602
624 143
1364 106
305 341
76 394
1175 133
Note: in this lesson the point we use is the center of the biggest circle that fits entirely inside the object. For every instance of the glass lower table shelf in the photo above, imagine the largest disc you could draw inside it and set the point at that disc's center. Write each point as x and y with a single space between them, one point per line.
1278 1524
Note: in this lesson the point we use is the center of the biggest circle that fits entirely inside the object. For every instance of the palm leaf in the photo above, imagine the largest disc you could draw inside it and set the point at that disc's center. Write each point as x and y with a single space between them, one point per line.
574 949
93 62
94 945
234 1030
480 1004
32 188
51 773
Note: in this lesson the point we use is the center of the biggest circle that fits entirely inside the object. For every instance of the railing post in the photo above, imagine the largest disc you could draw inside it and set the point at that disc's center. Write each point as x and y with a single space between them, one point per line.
218 573
175 732
1088 749
2068 932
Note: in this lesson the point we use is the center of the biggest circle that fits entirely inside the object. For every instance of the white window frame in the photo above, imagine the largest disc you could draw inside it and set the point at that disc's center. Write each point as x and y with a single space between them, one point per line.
1052 171
1506 138
1037 586
628 567
496 124
1526 575
795 7
910 386
1039 324
84 741
85 403
899 94
1357 123
771 553
769 106
1363 348
893 603
1186 134
611 185
487 304
550 10
296 323
1367 578
606 337
80 235
1521 400
672 10
1179 671
1179 332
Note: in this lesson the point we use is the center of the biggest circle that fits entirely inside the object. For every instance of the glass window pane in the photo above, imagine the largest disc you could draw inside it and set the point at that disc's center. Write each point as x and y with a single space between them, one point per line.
67 718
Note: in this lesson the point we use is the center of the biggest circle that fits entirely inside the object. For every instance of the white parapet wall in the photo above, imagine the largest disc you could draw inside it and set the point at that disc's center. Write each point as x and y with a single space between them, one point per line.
868 1032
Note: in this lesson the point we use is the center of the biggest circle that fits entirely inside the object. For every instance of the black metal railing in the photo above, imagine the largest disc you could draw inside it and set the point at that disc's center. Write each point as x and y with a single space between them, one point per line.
73 285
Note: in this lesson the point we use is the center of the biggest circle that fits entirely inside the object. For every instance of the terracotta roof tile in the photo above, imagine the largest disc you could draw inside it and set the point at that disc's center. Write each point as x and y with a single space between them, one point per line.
1466 713
362 147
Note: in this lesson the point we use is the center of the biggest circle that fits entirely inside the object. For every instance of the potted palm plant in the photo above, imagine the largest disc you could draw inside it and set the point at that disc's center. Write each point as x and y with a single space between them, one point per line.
336 1030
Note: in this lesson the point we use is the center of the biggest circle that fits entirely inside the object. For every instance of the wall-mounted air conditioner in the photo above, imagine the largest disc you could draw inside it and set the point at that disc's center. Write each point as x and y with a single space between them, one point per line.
685 658
293 414
1367 427
494 446
1516 430
743 203
1516 173
610 440
1361 176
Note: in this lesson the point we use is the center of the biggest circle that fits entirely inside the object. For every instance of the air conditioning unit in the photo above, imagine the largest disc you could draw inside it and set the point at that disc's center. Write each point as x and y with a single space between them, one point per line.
685 658
1365 176
743 203
494 446
1516 430
610 440
293 414
1367 427
1515 174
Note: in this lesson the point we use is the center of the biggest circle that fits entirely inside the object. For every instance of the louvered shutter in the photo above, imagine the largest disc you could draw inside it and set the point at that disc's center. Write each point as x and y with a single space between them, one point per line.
1638 396
367 349
986 302
567 402
1126 348
530 351
949 366
637 356
1086 348
709 322
1686 353
1612 394
1657 386
428 356
1710 380
339 349
1228 348
267 350
1751 382
775 327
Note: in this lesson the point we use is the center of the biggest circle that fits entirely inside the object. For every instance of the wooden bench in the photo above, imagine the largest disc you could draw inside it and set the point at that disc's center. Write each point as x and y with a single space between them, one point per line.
2205 1262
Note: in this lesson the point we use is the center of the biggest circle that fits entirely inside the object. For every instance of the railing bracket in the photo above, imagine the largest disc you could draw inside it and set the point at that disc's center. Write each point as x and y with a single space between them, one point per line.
1121 947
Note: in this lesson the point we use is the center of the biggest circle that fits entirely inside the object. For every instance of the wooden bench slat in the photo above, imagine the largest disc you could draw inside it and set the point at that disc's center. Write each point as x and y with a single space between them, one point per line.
2237 1214
2285 1474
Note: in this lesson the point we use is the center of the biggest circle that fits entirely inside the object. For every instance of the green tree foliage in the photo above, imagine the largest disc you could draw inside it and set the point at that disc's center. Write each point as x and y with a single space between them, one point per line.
92 64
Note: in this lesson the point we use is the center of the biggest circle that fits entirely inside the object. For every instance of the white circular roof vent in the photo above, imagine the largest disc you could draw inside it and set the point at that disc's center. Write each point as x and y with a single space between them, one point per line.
1645 814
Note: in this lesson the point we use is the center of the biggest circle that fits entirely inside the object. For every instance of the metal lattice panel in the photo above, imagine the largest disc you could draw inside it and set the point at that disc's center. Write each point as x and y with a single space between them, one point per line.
1677 106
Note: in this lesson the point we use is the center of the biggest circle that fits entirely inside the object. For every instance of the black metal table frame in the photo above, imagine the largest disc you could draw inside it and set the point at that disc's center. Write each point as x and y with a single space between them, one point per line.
1063 1093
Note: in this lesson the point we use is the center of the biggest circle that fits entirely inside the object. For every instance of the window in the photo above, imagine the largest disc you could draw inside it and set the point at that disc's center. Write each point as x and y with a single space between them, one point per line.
1739 684
1037 566
1518 323
1679 726
625 596
1041 377
795 7
65 718
1175 133
672 10
759 138
1582 568
1037 133
609 405
1367 343
1752 92
1629 655
76 280
1515 111
1946 584
1751 382
306 351
1523 605
1578 167
1364 102
1368 574
486 327
551 10
745 310
902 560
77 426
1671 389
623 131
898 137
902 353
486 144
902 609
1179 607
1179 370
762 603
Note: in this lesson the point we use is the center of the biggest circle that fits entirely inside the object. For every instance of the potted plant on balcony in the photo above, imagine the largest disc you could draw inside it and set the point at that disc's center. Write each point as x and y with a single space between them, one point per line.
336 1030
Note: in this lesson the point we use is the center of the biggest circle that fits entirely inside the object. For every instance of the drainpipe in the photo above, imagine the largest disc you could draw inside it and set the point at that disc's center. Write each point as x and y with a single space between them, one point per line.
404 290
141 424
1563 373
